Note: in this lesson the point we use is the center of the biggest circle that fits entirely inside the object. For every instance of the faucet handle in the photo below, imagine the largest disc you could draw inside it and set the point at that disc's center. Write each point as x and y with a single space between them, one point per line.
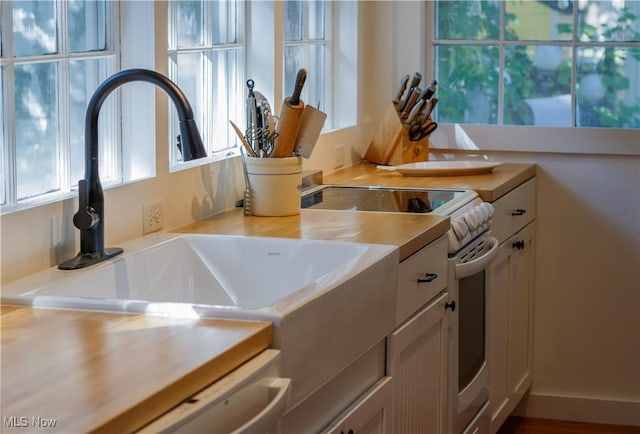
86 218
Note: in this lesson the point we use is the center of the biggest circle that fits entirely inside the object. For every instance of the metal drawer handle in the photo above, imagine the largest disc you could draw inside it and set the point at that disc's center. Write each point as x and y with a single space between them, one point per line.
451 306
429 277
518 211
518 244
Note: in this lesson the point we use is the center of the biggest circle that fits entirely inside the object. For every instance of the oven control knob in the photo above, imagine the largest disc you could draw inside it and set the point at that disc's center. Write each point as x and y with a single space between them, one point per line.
459 228
471 220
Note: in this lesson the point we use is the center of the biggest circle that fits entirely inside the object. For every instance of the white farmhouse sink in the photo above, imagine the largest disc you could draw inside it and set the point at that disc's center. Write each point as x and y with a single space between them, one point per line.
329 300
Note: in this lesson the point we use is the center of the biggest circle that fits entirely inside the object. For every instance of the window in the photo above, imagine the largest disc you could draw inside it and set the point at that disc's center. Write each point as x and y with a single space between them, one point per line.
307 44
214 47
545 63
53 55
206 60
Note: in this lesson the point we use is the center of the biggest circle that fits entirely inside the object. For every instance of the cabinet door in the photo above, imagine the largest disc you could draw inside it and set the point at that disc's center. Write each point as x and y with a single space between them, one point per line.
498 286
417 354
510 323
521 313
370 414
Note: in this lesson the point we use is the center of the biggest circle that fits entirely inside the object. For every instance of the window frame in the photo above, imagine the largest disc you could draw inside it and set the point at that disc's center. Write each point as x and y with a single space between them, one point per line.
327 44
62 60
128 42
526 138
232 148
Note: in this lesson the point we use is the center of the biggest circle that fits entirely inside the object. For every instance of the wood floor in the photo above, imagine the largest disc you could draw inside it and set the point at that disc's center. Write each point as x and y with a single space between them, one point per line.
519 425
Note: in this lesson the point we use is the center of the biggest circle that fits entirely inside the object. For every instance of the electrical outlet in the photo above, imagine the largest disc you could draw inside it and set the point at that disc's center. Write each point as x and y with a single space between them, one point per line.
152 217
340 154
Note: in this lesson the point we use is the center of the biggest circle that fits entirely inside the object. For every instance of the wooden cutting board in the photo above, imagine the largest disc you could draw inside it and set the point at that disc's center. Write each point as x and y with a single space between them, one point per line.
109 372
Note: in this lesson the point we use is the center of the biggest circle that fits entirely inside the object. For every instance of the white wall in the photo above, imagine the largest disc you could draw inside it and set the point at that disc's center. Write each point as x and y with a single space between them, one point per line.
587 299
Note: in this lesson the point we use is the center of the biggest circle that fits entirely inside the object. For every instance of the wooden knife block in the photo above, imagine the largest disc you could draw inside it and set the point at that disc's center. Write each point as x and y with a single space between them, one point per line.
391 145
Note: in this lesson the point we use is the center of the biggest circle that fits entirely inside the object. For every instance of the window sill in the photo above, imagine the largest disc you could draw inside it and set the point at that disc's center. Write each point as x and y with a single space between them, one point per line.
58 196
219 156
597 141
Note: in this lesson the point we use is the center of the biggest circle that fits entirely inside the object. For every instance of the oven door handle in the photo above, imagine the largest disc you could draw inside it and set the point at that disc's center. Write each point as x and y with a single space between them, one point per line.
470 268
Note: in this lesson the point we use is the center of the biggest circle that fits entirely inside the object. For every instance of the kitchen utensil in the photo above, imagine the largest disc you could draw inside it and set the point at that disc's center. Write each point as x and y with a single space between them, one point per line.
244 142
415 81
428 92
251 132
415 111
247 188
419 132
289 122
297 90
401 89
413 98
434 101
311 125
425 112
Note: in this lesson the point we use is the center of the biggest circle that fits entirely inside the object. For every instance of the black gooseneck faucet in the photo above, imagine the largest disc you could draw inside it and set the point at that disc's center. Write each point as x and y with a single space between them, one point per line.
90 216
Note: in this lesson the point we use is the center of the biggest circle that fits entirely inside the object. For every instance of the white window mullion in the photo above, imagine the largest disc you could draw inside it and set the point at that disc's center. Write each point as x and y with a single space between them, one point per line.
206 64
64 154
122 154
501 66
206 103
329 48
574 67
8 92
10 173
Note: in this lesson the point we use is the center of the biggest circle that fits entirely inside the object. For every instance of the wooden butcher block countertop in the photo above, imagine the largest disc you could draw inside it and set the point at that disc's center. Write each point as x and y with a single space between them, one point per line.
489 186
408 232
103 372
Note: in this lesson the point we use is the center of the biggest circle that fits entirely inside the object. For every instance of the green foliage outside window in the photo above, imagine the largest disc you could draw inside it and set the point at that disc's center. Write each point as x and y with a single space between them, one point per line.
468 61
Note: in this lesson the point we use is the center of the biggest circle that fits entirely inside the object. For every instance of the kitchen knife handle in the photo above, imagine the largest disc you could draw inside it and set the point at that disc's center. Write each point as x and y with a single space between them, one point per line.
415 81
401 88
414 111
434 101
406 109
429 91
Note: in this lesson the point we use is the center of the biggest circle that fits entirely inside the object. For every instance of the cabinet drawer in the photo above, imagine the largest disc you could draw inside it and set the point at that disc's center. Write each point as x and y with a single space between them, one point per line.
421 277
331 399
369 414
514 210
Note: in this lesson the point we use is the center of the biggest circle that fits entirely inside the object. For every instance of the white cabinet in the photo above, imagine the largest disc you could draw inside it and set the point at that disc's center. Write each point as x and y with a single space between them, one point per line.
417 348
421 277
371 414
510 304
417 362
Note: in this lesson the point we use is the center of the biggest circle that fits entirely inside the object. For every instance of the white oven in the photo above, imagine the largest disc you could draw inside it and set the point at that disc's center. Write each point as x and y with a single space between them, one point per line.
471 251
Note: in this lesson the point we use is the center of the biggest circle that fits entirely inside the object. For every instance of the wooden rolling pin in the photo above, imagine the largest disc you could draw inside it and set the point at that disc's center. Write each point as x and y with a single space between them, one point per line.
289 122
